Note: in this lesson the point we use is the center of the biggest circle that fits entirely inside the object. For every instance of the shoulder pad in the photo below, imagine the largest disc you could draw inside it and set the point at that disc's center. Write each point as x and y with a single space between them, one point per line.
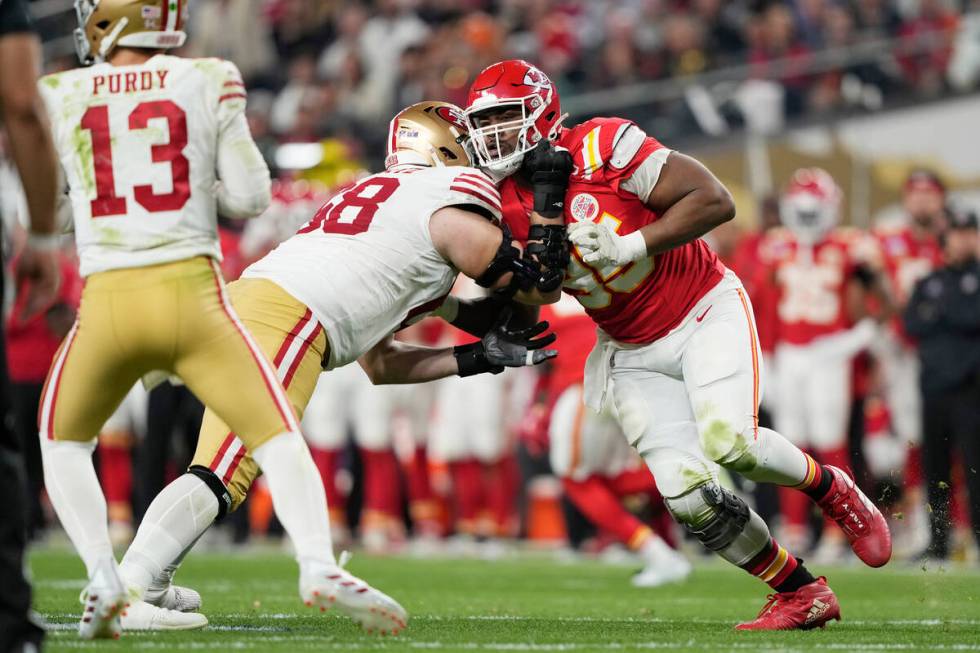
472 187
600 141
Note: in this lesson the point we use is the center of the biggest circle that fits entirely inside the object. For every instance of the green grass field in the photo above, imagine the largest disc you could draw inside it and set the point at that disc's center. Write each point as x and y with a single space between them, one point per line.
532 603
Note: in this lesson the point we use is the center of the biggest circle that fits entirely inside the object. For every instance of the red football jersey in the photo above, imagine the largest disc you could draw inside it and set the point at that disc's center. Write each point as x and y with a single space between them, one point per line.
810 283
576 338
635 303
907 259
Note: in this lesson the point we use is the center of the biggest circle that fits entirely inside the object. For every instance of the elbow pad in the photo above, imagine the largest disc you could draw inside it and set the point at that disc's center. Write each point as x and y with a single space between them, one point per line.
508 259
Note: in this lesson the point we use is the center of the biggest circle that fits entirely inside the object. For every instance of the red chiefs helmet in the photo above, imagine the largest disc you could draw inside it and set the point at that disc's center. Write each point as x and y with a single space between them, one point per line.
810 206
512 106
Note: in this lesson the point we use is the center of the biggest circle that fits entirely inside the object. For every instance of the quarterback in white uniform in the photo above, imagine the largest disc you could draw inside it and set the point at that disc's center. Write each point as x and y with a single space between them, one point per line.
153 148
374 258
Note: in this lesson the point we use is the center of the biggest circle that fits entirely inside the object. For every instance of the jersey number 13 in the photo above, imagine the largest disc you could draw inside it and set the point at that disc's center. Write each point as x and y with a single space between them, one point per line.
106 202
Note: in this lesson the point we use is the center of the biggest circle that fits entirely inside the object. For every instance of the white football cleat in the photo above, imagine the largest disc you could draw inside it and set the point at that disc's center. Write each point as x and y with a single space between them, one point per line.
104 598
663 565
330 586
140 615
175 597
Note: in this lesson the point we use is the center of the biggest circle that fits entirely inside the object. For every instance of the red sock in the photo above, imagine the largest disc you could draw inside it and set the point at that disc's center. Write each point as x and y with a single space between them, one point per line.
327 461
116 472
422 504
467 478
913 467
382 483
794 506
663 524
777 568
502 479
419 488
596 500
816 480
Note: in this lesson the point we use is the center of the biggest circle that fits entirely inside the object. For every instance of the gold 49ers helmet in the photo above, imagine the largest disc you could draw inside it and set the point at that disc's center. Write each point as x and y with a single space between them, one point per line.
430 134
105 24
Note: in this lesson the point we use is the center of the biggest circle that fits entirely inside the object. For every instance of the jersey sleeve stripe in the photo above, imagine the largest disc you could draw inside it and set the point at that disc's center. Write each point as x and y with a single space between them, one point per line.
235 83
478 195
492 192
479 181
494 196
231 96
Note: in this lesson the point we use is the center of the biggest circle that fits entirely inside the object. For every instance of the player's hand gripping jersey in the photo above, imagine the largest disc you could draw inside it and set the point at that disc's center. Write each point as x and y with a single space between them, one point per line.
616 167
365 264
151 153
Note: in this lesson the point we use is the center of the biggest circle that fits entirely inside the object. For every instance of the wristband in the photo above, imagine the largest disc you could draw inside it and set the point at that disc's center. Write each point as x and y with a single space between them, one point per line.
44 242
634 246
549 188
472 359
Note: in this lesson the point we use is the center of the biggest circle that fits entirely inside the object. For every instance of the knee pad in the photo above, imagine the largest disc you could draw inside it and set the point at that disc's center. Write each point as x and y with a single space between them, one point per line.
711 513
210 479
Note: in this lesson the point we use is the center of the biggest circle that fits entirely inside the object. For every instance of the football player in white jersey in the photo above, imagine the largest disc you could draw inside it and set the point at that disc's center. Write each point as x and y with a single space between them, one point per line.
375 258
153 148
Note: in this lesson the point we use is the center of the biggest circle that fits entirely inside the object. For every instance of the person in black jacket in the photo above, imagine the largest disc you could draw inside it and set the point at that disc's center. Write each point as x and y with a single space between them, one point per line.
37 275
944 315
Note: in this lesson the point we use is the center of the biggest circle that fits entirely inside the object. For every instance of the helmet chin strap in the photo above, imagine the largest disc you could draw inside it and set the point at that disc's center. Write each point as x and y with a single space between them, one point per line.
498 172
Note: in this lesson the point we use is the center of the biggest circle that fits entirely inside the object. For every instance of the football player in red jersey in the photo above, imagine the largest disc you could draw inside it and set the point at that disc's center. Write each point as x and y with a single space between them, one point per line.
676 333
911 251
821 276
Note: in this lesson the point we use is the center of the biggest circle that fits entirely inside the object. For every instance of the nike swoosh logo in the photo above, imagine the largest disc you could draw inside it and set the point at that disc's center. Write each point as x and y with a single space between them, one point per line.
701 317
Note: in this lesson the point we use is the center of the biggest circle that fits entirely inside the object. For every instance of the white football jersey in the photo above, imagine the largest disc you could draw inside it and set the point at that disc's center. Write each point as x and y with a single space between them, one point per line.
142 148
366 265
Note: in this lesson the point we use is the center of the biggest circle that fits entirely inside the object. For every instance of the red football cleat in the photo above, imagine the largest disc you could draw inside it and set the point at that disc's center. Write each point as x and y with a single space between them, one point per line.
811 606
857 516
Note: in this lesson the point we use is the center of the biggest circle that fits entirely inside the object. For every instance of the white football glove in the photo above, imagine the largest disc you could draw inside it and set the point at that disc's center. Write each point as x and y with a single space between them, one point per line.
601 246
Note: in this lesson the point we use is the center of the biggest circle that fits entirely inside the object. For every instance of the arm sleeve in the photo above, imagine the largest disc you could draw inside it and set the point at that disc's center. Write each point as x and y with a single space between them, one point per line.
244 187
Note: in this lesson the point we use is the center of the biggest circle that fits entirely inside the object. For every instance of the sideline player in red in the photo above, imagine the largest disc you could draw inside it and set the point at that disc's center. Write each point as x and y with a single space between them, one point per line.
821 277
676 333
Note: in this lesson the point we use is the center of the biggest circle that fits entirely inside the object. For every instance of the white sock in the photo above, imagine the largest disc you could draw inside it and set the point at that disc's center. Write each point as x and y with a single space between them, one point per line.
297 496
76 495
777 460
177 517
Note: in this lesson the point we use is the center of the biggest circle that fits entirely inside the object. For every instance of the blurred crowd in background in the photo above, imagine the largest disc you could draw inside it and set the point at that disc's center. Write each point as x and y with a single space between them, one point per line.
335 69
463 465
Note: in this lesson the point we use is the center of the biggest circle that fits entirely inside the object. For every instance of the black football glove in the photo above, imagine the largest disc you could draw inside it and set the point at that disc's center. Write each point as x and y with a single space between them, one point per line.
505 347
548 168
548 245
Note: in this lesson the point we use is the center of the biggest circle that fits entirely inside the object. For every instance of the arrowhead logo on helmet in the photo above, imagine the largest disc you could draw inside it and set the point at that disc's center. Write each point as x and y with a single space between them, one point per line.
512 106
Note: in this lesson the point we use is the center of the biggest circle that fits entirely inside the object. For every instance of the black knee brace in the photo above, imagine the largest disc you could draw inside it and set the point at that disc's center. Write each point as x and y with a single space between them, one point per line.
728 517
215 485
